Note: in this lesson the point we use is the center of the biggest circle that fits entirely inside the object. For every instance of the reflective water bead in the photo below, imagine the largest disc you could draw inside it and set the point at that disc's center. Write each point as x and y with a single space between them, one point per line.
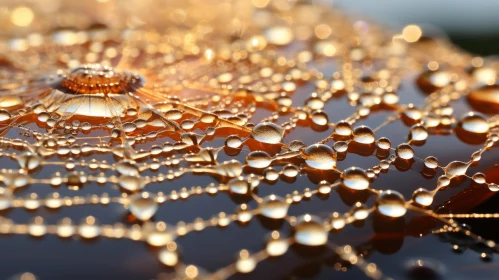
310 231
258 159
143 206
319 156
363 135
404 151
355 178
273 207
391 203
267 132
423 197
277 245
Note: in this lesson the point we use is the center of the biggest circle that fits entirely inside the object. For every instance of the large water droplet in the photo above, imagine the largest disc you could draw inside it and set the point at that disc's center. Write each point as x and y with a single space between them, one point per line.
363 135
309 231
485 99
405 151
319 156
268 132
258 159
474 123
423 197
456 168
273 207
143 206
391 203
355 178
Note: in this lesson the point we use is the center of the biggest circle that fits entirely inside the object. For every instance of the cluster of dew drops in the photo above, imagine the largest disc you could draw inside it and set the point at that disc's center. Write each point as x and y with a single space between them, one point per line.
154 101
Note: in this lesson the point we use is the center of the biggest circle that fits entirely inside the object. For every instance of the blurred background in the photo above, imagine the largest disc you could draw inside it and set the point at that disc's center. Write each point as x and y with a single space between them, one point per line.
473 25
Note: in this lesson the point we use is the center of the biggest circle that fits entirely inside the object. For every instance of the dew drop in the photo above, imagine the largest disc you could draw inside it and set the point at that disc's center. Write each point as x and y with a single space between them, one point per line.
309 231
485 99
245 263
391 204
258 159
455 169
418 133
290 170
355 178
267 132
233 141
431 162
273 207
143 206
405 151
89 228
168 255
343 128
131 183
276 244
474 123
4 115
363 135
423 197
479 178
319 156
320 118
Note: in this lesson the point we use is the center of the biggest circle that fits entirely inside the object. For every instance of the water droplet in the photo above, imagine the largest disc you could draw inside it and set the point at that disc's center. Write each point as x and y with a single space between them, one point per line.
319 156
479 178
363 135
277 245
337 222
405 151
431 162
456 168
340 146
4 115
267 132
243 185
233 141
423 197
37 227
273 207
433 80
28 161
474 123
383 144
355 178
343 128
418 133
245 263
309 231
158 234
168 255
65 228
290 170
493 187
258 159
89 228
320 118
131 183
485 99
143 206
391 203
